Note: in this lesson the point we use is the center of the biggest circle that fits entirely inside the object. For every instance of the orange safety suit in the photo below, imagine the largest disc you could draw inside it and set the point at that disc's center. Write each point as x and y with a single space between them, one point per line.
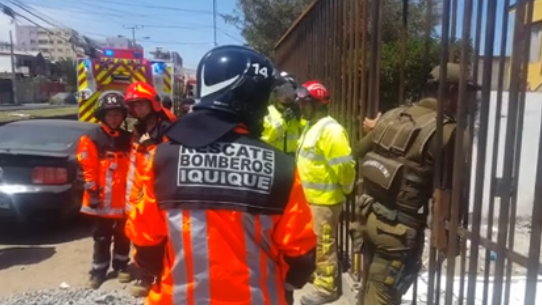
103 157
210 243
139 155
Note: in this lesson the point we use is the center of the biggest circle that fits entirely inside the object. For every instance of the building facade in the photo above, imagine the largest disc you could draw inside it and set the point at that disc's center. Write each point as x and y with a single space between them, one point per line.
118 42
54 44
534 72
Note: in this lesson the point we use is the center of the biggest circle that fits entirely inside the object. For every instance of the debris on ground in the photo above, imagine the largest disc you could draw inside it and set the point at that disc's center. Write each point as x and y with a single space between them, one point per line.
72 297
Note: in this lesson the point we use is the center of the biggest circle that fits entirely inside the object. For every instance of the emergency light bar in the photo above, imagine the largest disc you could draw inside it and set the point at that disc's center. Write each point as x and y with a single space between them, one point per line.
158 68
134 54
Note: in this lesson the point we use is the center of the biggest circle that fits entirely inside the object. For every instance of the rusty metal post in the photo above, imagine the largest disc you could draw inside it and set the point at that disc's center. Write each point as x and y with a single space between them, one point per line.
458 172
404 35
374 73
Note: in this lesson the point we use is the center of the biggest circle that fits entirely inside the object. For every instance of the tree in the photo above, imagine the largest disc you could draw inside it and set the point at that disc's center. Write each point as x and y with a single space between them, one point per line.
263 22
67 70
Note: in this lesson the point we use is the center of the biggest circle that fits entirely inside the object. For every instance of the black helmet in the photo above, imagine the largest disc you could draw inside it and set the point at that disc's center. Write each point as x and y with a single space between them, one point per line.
110 101
285 77
235 80
167 102
285 87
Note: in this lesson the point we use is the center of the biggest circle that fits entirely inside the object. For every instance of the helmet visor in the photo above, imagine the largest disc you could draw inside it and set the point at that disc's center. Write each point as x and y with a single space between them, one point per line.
302 93
285 92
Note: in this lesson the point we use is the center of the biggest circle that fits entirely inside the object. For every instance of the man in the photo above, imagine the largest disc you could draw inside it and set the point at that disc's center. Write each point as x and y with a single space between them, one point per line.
167 103
283 124
103 156
223 219
327 173
186 105
398 167
152 121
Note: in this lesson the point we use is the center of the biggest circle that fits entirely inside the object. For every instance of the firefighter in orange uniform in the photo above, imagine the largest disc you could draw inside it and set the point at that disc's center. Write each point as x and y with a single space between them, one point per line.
103 156
152 120
224 219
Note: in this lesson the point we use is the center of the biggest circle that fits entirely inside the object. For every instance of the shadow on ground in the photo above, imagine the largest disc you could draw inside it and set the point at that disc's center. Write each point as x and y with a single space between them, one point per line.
11 256
44 234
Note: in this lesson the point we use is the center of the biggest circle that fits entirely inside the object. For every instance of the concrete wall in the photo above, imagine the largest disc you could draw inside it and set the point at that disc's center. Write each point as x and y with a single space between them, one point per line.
529 153
495 72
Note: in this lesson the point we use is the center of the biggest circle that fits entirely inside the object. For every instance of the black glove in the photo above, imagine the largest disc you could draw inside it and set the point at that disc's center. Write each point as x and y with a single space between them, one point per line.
289 114
94 201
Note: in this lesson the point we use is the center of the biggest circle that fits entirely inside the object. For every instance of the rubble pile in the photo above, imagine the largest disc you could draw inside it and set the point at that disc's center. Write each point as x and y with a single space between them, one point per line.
72 296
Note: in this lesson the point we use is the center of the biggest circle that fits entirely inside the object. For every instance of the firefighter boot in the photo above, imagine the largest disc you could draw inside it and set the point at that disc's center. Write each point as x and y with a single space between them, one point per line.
96 279
318 298
142 286
124 276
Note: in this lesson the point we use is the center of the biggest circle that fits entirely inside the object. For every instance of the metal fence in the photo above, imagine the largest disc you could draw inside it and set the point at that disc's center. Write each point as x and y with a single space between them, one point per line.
340 43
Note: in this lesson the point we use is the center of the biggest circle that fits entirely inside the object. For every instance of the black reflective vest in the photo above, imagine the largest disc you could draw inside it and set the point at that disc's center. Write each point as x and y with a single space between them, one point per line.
236 173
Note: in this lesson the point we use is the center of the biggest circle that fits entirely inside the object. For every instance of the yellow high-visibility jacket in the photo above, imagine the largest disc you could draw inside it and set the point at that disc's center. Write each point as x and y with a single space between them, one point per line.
324 162
276 129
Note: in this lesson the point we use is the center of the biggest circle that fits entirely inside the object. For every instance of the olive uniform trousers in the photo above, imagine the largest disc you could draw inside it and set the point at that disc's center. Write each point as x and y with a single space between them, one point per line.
394 253
326 221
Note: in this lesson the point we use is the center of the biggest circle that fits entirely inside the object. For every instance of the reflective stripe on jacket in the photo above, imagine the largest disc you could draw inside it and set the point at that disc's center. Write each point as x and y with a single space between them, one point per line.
223 252
139 157
325 163
103 159
276 128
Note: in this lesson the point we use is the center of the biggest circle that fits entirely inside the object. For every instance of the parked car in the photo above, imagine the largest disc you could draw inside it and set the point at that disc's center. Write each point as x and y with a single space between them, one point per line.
40 178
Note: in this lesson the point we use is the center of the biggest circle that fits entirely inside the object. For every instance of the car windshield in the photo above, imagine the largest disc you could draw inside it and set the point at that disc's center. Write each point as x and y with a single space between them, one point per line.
36 137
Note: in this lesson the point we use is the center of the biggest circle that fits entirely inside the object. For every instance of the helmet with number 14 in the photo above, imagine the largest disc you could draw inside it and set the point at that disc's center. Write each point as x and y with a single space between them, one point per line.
235 81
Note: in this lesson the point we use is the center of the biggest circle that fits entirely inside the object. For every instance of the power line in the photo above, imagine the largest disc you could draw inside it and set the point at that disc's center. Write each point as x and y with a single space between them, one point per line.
180 43
151 6
134 28
214 23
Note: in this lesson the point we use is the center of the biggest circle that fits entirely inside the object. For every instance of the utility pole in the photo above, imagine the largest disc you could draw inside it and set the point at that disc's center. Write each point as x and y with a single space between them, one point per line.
133 28
13 69
214 23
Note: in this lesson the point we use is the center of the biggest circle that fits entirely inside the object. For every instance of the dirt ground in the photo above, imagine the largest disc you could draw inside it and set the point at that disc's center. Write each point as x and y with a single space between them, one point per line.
51 258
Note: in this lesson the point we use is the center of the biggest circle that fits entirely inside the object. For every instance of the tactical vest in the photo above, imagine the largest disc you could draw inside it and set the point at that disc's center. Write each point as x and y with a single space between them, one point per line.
398 173
108 144
236 173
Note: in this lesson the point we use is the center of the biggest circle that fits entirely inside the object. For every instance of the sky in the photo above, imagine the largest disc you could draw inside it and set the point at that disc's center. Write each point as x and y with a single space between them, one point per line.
498 24
185 26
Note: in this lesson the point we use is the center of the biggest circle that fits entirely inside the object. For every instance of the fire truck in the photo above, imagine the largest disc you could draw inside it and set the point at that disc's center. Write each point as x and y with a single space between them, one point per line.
114 70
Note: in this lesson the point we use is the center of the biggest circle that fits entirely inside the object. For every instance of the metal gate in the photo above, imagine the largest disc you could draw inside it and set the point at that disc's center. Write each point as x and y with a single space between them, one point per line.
341 43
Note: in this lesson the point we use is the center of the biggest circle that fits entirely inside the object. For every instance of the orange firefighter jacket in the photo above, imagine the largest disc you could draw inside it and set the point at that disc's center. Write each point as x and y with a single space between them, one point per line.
222 252
139 156
103 157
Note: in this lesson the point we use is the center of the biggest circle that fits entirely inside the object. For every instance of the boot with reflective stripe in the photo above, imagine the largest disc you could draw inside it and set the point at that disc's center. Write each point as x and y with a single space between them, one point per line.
141 287
318 298
96 279
123 276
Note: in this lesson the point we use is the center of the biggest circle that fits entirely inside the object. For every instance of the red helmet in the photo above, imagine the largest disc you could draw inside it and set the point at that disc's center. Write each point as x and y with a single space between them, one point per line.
313 90
139 91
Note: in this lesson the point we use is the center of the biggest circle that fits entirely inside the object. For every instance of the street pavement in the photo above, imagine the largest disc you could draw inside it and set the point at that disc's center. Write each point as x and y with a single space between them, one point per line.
30 106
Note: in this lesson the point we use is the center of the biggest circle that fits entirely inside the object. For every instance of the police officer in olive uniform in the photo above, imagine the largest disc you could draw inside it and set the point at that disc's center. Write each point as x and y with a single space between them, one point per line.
397 168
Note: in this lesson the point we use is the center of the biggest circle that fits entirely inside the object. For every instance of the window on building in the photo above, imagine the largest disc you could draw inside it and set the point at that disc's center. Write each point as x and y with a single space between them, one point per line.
60 50
32 41
44 50
536 43
60 42
43 42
